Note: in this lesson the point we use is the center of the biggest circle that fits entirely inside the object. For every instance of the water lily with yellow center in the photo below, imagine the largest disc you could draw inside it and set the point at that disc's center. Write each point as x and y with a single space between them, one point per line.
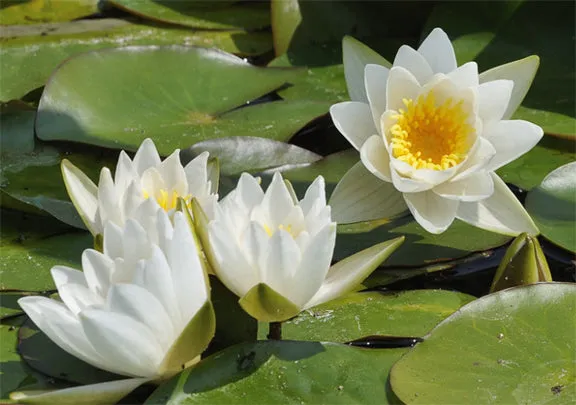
140 309
274 251
431 136
135 181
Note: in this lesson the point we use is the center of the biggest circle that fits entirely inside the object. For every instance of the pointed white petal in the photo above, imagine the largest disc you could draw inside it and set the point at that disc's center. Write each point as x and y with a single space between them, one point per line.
354 120
124 341
108 200
83 193
98 269
345 275
500 213
315 195
173 174
522 72
432 212
376 158
94 394
402 85
255 243
146 156
197 175
78 297
67 275
360 196
475 187
314 266
356 56
465 75
511 139
139 304
414 62
277 200
493 99
282 259
376 78
136 242
249 191
113 245
153 184
438 51
132 198
125 172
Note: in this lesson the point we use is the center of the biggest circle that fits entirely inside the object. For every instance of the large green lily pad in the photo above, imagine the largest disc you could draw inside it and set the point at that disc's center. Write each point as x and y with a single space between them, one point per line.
29 54
516 346
357 315
30 245
247 16
496 33
285 372
552 205
176 95
41 11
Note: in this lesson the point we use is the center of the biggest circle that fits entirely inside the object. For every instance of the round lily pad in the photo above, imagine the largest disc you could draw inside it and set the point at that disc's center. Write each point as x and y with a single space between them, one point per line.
516 346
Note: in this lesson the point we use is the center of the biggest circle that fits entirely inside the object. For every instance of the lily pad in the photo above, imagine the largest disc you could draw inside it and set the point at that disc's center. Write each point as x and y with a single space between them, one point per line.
514 346
357 315
31 245
285 372
190 94
247 153
29 54
41 11
249 16
552 205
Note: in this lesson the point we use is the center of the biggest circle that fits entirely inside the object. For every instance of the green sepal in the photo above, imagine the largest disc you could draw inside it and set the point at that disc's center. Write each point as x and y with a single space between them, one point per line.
524 263
184 207
213 170
193 340
201 227
266 305
99 242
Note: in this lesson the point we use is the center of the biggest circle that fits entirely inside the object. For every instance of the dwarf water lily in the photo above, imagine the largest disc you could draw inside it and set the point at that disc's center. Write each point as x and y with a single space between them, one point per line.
140 309
274 251
431 135
145 177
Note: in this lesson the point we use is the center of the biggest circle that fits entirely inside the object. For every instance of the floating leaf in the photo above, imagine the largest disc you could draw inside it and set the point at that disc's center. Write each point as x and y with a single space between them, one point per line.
191 94
249 16
29 54
284 372
513 346
41 11
408 313
553 206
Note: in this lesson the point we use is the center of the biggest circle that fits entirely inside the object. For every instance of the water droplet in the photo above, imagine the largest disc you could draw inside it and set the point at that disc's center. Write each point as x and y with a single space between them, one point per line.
500 336
340 387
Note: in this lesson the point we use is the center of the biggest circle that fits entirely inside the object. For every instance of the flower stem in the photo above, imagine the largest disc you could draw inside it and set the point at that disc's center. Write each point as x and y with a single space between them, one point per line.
275 331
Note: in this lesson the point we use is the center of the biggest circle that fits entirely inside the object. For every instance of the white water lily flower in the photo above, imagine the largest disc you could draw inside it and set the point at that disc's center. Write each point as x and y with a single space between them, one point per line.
140 309
147 176
274 252
432 135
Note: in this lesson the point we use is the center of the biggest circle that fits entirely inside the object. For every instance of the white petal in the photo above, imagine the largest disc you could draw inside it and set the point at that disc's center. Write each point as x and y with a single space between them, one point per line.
173 174
376 78
354 120
146 156
139 304
356 56
493 99
197 175
479 156
125 172
136 242
63 328
432 212
522 72
124 341
78 297
376 158
438 51
98 269
348 273
500 213
153 183
277 201
249 191
405 184
94 394
283 258
314 265
113 245
67 275
255 243
230 265
360 196
315 195
401 85
414 62
465 75
83 193
511 139
434 177
108 200
187 272
475 187
155 276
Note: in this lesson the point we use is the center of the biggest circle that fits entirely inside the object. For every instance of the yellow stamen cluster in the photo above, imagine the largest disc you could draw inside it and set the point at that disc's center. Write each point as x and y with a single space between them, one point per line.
430 136
169 201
